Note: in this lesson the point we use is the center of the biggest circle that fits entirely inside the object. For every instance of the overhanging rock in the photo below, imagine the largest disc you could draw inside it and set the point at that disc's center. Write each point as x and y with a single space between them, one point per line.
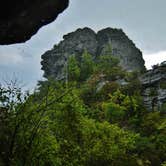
21 19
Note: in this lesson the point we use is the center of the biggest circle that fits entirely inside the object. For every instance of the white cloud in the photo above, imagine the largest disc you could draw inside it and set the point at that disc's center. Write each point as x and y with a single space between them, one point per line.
154 58
10 57
20 62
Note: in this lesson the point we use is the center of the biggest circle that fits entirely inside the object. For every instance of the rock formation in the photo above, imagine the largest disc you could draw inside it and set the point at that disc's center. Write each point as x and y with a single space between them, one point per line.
122 47
154 86
20 19
107 41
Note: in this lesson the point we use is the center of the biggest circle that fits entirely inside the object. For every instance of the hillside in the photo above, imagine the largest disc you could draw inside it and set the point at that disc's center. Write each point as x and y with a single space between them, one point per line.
108 41
90 111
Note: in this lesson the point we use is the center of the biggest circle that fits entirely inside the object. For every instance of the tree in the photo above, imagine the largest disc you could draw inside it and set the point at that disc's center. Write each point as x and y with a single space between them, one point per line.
73 69
87 66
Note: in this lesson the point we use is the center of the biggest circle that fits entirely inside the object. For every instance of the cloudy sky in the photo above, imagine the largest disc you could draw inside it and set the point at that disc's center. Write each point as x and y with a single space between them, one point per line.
143 21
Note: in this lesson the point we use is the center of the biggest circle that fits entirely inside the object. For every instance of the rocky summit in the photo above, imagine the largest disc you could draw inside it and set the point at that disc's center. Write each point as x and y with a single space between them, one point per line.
107 41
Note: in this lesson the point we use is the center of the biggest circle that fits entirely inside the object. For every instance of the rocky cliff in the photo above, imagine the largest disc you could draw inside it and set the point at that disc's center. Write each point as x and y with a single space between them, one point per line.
20 19
107 41
154 86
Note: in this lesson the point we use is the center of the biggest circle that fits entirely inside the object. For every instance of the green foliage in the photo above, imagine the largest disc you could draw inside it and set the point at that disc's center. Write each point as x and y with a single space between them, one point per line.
163 108
163 164
91 121
109 66
153 145
163 85
114 112
105 144
134 86
87 66
83 68
73 69
120 107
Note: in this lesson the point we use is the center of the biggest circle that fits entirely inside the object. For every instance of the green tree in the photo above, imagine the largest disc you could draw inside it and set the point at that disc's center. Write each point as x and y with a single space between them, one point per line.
73 69
87 66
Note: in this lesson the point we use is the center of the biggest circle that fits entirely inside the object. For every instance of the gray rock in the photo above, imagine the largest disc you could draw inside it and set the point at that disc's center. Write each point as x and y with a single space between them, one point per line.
122 47
107 41
154 87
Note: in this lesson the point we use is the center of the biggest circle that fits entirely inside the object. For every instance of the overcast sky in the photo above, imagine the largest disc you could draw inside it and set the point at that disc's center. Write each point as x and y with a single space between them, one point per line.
142 20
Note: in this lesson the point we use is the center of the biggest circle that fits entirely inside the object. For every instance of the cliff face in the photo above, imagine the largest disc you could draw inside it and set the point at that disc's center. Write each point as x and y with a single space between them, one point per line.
122 47
154 87
20 19
105 42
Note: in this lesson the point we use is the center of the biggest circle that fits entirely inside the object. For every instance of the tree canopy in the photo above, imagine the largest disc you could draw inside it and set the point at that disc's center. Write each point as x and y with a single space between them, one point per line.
93 121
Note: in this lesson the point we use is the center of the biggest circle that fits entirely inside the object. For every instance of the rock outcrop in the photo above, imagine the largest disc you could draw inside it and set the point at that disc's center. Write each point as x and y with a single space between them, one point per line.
122 47
154 86
107 41
20 19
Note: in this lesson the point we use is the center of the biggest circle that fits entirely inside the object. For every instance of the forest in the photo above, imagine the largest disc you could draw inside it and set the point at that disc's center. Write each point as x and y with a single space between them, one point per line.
95 116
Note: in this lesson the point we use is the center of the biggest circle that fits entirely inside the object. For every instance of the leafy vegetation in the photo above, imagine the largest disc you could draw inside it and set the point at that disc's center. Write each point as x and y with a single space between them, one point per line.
89 119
